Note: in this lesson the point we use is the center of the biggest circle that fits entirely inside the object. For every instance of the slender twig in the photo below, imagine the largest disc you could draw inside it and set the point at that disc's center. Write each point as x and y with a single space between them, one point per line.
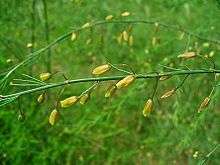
155 86
182 82
100 79
98 23
209 154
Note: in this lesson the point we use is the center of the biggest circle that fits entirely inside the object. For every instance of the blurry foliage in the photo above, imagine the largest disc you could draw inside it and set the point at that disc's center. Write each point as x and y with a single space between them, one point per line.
111 131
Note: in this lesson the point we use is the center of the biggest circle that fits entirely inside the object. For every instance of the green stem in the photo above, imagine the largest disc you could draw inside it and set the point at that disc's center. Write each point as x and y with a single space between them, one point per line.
99 79
68 34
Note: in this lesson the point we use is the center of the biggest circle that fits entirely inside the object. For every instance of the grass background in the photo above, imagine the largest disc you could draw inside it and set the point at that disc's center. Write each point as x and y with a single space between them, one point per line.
111 131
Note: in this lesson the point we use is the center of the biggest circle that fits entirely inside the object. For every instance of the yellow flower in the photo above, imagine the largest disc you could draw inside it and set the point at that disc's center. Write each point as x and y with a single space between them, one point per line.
187 55
73 36
148 108
101 69
45 76
109 17
168 94
130 40
86 25
162 78
9 60
84 98
29 45
69 101
110 91
54 115
125 81
125 14
119 38
204 104
41 98
125 35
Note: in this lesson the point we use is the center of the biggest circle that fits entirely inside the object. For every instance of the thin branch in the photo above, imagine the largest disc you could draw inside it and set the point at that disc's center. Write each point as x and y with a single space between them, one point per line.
209 154
100 79
98 23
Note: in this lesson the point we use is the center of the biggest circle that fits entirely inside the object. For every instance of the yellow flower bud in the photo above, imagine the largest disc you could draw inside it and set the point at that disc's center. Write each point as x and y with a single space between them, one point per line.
130 40
54 115
88 41
45 76
125 35
109 17
168 94
211 54
119 38
69 101
84 98
9 60
29 45
86 25
187 55
181 36
73 36
110 91
162 78
101 69
204 104
148 108
125 81
154 41
41 98
125 14
206 44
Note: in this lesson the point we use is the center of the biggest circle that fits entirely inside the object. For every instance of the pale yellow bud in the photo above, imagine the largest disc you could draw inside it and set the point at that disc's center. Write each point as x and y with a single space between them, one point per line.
204 104
168 94
54 115
148 108
86 25
84 98
9 60
154 41
110 91
109 17
162 78
73 36
195 155
69 101
125 35
119 38
89 41
29 45
206 44
131 40
211 54
187 55
41 98
125 14
181 36
156 24
45 76
101 69
125 81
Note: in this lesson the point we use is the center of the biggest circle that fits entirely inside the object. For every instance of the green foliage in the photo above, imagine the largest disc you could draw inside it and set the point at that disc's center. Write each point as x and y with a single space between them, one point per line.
111 131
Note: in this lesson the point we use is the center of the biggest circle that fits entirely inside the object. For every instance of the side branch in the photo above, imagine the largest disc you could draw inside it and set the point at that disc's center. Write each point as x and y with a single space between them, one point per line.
36 54
100 79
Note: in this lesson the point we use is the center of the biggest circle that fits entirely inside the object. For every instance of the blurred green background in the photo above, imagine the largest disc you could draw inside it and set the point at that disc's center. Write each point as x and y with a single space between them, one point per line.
111 131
